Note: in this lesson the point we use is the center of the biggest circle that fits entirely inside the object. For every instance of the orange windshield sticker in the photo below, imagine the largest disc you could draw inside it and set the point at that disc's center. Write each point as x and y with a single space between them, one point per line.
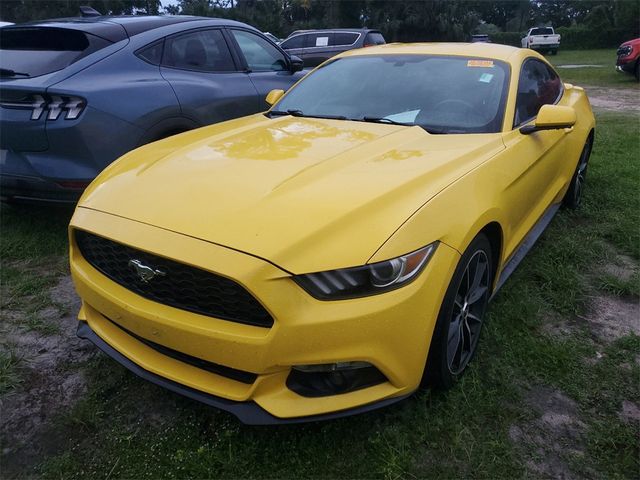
480 63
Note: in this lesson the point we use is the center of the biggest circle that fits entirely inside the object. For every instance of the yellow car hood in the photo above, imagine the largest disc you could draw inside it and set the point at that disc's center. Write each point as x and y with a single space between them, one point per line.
306 194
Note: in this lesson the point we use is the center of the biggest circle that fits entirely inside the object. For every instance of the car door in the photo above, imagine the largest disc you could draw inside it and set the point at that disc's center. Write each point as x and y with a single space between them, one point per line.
266 66
533 170
209 84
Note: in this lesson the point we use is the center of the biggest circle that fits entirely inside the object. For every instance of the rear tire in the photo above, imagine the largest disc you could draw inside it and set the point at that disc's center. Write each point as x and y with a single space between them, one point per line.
554 52
459 322
573 197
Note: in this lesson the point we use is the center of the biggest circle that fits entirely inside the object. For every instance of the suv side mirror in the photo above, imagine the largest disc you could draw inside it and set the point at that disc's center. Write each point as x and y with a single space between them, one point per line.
296 64
273 96
551 117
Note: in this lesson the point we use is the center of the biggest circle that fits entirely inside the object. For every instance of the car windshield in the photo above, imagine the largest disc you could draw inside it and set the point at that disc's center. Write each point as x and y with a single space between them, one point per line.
441 94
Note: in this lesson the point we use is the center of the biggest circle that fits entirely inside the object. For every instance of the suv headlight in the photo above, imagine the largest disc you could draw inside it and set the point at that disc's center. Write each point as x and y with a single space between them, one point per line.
367 279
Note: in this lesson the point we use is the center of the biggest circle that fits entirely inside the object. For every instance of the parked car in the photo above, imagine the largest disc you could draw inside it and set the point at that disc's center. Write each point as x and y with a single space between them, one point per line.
316 46
77 93
272 37
480 38
542 39
328 256
629 58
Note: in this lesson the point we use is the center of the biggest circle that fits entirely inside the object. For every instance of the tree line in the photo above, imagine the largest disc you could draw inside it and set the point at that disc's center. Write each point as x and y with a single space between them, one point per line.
399 20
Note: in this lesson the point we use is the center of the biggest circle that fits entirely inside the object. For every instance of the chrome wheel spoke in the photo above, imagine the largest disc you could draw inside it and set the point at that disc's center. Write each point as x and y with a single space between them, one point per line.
477 294
480 269
473 318
455 339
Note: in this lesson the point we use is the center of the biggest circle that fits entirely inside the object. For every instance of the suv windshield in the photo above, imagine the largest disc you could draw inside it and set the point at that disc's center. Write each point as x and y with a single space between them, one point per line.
33 51
441 94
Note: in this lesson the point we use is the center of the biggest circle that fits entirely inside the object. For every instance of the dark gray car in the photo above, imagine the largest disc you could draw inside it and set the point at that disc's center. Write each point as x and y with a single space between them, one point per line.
316 46
75 94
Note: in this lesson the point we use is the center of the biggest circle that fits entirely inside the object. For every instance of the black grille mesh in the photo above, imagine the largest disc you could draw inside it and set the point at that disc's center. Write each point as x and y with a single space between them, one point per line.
181 286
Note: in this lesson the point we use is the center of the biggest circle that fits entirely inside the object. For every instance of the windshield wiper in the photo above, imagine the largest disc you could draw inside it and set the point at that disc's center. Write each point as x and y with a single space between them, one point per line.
386 120
300 113
7 72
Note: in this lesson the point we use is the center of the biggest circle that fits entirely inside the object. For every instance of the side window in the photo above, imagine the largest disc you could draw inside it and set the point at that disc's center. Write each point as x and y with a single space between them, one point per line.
260 54
293 42
152 53
204 50
538 85
343 38
322 39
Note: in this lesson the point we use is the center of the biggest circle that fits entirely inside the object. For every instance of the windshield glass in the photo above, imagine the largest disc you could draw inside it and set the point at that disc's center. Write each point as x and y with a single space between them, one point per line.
441 94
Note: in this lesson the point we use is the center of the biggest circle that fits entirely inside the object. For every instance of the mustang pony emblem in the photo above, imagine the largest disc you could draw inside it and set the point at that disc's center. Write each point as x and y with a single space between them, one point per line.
145 273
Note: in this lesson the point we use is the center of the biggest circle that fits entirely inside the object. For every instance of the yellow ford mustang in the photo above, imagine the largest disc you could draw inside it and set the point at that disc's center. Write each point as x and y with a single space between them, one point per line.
330 255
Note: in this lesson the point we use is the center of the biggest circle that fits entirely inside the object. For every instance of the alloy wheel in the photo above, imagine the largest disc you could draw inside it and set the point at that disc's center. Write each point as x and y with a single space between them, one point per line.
581 174
469 306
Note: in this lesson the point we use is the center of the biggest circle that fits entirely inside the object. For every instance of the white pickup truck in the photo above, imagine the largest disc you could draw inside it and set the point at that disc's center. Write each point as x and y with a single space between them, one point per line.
542 39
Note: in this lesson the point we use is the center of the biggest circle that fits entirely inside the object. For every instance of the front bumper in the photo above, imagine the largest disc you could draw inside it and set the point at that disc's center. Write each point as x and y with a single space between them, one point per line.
391 331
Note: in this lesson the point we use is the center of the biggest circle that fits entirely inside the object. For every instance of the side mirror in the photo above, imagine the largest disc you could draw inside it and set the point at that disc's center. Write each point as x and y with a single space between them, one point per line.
273 96
296 64
551 117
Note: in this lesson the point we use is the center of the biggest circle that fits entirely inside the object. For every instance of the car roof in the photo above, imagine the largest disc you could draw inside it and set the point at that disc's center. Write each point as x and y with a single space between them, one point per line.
486 50
118 27
318 30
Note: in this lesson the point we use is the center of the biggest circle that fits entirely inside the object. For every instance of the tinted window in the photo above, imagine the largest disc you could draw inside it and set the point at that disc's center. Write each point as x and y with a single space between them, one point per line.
374 38
37 51
322 39
259 53
542 31
205 50
441 94
293 42
341 38
538 85
152 53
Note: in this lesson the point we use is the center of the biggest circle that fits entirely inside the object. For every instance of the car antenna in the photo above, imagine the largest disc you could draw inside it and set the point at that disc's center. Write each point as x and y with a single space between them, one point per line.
86 11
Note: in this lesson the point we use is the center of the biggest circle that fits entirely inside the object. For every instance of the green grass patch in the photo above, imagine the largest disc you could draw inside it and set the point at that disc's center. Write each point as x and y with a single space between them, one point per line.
604 74
9 376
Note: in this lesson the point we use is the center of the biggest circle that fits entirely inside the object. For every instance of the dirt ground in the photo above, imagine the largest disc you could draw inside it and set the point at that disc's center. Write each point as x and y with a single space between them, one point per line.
53 379
617 99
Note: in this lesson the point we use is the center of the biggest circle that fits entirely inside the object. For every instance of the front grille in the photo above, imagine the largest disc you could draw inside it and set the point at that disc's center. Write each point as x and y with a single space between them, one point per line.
174 284
232 373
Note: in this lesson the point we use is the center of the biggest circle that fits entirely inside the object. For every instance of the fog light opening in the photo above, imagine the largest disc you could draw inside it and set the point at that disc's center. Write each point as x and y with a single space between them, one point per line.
333 378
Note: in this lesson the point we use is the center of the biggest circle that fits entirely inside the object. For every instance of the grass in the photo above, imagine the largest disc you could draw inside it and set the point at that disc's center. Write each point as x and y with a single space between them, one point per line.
9 375
33 249
127 428
602 75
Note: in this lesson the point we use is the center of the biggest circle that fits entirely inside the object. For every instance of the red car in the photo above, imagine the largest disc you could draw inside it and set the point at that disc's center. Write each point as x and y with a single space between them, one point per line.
629 57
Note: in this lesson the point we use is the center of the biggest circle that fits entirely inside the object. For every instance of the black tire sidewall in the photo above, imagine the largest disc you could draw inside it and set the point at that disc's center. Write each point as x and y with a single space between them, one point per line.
436 371
569 200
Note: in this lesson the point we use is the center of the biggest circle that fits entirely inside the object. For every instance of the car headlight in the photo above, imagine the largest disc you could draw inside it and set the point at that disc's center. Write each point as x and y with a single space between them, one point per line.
368 279
624 51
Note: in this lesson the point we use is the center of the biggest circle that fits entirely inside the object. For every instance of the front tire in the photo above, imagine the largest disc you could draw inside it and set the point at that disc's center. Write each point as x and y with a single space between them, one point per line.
573 197
459 322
